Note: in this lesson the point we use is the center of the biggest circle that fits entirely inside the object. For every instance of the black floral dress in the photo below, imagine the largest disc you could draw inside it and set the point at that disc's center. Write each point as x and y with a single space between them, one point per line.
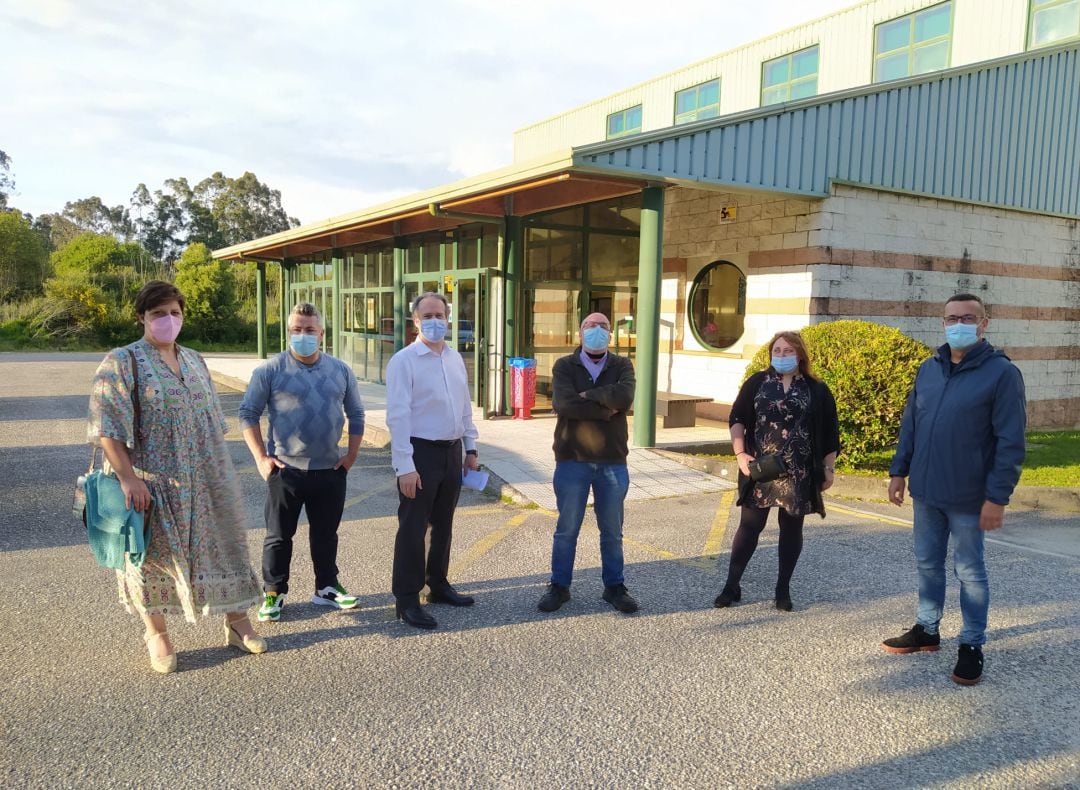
783 426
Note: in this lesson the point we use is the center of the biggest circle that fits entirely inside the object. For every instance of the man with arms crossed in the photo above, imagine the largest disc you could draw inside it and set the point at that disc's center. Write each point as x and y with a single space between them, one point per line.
429 415
961 446
309 394
591 391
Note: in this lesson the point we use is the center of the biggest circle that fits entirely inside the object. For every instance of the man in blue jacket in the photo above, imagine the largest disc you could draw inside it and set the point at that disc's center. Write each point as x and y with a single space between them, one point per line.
961 446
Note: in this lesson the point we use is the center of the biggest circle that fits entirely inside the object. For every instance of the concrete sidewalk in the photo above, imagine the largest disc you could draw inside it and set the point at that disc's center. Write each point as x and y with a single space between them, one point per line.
518 453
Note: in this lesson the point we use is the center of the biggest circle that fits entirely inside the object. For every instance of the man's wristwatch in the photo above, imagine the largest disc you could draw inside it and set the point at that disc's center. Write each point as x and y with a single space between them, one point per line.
471 452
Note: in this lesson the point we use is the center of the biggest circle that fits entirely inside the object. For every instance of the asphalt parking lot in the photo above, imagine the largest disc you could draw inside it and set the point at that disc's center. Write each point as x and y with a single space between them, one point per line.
502 695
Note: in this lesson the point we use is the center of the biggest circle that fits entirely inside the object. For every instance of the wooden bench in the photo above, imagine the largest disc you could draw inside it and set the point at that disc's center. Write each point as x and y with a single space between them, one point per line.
678 411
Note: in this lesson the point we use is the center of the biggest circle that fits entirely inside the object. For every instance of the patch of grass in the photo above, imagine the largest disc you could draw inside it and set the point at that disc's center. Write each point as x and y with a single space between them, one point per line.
1053 459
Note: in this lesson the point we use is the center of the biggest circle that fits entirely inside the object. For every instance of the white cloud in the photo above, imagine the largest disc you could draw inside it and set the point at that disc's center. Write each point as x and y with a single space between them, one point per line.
338 104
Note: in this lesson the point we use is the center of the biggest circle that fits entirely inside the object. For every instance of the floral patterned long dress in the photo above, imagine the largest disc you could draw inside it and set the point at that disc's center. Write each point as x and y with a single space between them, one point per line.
783 426
197 557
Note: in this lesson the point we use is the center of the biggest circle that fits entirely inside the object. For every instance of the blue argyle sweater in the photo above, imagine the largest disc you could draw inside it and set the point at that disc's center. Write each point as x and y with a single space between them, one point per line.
308 405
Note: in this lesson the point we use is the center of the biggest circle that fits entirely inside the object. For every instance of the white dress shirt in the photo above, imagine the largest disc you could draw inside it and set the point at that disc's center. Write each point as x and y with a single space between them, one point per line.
427 396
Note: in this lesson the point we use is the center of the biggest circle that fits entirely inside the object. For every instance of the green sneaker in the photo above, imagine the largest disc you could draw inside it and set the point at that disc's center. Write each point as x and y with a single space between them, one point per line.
335 596
270 611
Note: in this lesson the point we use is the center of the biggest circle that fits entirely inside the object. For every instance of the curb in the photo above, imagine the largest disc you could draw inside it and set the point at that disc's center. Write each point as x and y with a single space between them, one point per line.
873 489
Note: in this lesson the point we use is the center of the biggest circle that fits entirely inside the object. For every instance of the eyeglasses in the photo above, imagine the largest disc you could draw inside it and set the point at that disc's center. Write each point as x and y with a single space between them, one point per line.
950 320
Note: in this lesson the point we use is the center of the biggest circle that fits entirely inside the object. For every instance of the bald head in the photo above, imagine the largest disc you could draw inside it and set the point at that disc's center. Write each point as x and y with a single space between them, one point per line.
595 319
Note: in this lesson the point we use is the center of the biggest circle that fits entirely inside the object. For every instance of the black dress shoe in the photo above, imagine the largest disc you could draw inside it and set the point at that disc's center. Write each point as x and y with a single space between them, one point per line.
414 615
449 595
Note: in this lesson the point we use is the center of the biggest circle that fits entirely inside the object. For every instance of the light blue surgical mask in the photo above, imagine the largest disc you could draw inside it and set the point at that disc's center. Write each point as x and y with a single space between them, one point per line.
784 365
304 345
433 329
962 336
595 339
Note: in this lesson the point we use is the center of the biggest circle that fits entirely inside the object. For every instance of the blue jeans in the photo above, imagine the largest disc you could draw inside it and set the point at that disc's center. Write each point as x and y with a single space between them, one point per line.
933 527
609 485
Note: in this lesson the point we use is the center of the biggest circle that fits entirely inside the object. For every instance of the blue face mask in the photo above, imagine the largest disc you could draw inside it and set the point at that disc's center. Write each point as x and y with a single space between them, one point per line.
784 365
304 345
962 336
433 329
595 339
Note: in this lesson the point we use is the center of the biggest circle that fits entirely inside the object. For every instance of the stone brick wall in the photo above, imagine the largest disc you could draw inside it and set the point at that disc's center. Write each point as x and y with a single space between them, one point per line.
879 256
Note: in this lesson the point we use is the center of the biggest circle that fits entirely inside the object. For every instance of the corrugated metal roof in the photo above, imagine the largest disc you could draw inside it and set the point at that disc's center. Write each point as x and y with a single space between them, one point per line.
1005 132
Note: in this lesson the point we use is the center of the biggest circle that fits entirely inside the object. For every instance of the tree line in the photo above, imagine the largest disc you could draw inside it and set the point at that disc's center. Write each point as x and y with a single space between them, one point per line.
69 278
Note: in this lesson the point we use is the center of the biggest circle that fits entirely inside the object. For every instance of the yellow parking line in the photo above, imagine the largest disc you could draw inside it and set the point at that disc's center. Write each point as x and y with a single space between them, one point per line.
486 543
869 516
356 500
715 541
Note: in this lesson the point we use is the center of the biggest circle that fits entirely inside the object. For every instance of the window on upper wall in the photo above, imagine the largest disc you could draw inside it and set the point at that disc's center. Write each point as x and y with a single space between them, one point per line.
697 103
914 44
624 122
1053 22
791 77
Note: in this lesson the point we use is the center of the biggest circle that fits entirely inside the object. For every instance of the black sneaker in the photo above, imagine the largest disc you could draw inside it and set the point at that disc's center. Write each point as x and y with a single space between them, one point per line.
555 597
618 597
914 641
729 595
969 665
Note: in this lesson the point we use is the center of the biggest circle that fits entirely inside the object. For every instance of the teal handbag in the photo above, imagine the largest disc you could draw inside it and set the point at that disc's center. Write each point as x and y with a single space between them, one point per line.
112 529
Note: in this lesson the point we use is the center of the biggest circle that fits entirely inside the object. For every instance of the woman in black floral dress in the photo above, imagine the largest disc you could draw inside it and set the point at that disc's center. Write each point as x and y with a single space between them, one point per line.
784 410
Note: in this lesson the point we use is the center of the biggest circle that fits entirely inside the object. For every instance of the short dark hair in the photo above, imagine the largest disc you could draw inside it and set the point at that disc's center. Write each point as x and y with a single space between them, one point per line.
306 309
428 295
967 298
157 292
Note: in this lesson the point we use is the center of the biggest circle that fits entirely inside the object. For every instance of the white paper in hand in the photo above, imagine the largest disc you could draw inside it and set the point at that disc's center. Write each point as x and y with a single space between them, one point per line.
474 478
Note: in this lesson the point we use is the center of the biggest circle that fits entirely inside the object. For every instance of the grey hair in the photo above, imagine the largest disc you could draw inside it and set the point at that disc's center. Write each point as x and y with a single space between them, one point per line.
308 310
429 295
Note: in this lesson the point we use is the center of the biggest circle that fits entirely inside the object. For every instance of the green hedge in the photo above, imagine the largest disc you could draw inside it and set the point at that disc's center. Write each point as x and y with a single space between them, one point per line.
870 369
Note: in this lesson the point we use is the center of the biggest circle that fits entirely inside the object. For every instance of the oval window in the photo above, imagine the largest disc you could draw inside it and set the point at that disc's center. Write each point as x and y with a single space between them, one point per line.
718 305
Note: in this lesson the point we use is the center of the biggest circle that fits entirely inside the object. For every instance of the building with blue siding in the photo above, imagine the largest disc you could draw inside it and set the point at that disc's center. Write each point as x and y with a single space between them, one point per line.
707 215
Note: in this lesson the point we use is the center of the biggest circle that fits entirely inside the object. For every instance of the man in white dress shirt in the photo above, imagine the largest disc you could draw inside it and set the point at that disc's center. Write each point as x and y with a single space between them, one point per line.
429 415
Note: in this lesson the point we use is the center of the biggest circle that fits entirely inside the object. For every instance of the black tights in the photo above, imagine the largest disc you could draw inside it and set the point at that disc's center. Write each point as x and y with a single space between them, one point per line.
751 523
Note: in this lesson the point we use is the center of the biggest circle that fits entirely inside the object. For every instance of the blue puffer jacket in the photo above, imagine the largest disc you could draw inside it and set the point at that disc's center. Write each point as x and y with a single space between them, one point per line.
962 435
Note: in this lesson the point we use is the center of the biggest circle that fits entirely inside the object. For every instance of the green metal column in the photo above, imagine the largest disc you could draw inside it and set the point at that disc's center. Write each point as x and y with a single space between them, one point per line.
337 263
650 267
399 294
286 300
260 307
283 306
513 266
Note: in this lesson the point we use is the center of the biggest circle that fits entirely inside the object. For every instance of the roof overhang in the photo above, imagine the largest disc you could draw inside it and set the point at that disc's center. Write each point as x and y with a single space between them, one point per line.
521 190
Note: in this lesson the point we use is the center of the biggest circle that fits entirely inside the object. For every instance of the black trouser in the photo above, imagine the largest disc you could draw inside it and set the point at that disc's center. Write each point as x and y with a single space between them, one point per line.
439 467
751 523
322 493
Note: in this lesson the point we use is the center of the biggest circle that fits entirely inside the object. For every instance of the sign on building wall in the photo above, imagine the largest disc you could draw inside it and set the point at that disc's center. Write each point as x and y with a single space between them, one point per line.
727 213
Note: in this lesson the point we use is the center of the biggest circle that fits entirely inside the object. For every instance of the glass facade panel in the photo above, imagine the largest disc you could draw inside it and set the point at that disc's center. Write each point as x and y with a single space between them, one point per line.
894 67
698 102
553 254
1054 21
429 255
792 76
718 305
930 58
893 35
932 23
613 260
624 122
621 214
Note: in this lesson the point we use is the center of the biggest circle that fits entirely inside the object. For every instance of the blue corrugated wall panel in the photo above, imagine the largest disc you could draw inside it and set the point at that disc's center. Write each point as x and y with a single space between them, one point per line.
1005 132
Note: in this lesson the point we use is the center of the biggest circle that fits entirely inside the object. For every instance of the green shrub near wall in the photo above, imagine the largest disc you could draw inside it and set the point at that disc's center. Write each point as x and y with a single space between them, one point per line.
870 369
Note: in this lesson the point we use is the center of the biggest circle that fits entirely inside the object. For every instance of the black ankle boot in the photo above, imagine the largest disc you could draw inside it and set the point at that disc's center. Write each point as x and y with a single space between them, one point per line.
783 599
729 595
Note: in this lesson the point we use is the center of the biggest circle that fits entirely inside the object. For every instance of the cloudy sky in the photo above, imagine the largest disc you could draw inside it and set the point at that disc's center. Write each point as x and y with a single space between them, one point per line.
339 104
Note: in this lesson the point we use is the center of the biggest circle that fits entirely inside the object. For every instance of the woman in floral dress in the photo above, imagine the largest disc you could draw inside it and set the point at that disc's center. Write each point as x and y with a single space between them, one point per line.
178 469
783 410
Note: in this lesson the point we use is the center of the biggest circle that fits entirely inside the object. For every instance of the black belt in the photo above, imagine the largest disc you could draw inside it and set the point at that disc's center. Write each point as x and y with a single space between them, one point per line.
435 442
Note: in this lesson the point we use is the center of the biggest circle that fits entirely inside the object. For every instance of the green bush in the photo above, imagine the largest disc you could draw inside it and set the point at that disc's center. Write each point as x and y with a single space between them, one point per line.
870 369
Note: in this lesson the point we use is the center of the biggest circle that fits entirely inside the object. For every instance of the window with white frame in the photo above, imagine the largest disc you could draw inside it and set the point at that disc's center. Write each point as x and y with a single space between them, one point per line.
790 77
1053 22
914 44
624 122
698 102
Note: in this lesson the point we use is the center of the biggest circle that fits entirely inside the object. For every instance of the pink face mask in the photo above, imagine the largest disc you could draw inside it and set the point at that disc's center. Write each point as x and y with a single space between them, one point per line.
166 328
